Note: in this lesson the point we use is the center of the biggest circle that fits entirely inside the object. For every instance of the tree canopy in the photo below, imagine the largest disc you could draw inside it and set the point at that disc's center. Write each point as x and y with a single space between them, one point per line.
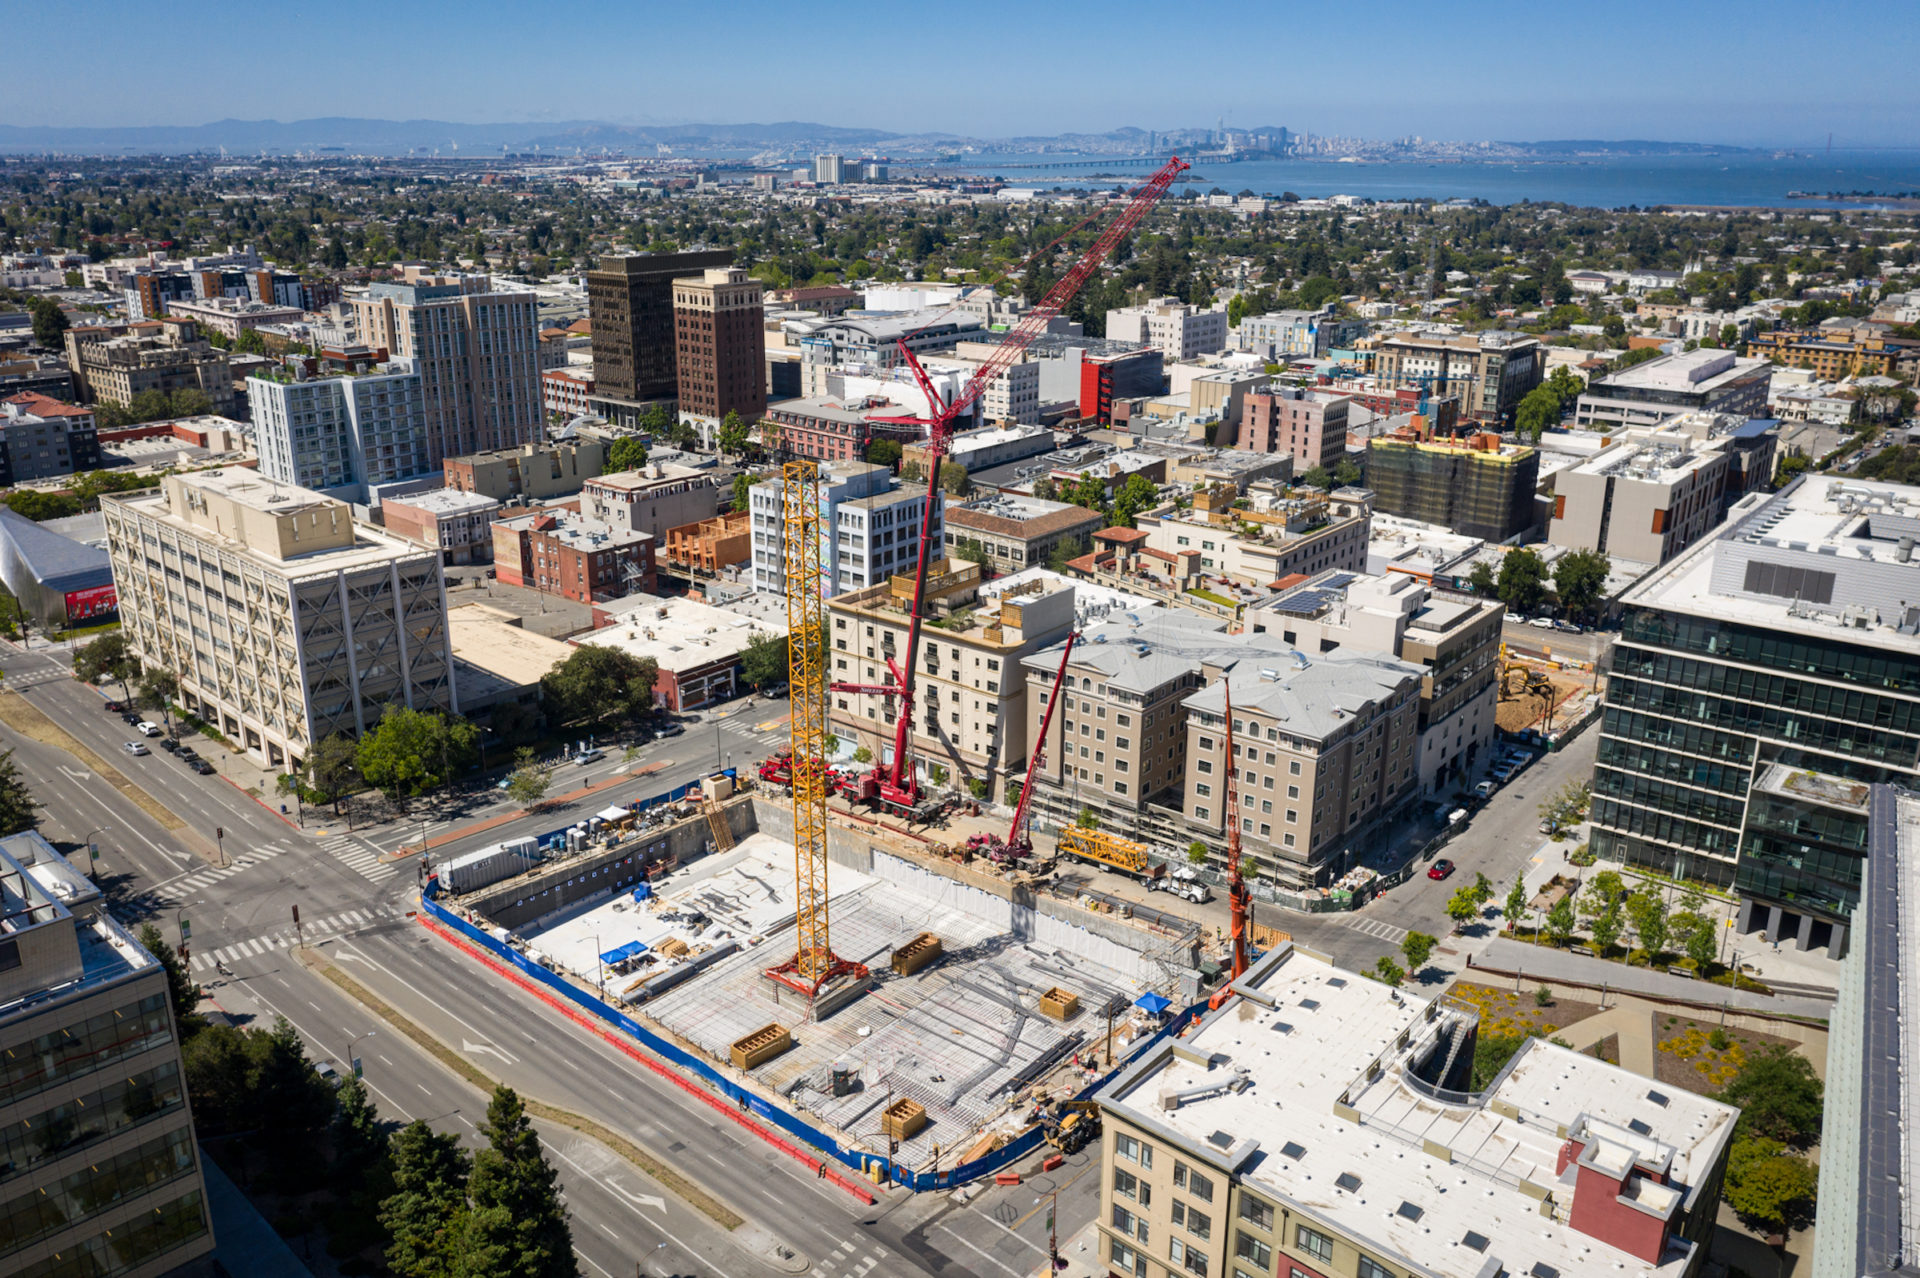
629 452
1580 579
1779 1095
411 751
1521 584
1136 495
597 684
17 804
764 660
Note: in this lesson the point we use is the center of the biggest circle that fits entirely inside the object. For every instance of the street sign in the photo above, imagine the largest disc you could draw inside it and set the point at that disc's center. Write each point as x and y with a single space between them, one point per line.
356 1067
186 929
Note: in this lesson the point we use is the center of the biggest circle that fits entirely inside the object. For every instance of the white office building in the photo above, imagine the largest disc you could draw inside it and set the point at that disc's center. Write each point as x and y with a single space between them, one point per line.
341 436
871 527
1178 329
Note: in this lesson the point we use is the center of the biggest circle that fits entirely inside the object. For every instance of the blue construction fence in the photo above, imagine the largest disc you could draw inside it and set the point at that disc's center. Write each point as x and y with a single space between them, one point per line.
857 1161
558 837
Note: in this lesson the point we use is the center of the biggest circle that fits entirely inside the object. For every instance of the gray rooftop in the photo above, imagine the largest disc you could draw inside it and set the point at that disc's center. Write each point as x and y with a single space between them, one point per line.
1313 697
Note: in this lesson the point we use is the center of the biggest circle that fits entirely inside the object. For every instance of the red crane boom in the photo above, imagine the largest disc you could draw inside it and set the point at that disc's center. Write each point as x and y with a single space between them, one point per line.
1019 842
893 781
1239 899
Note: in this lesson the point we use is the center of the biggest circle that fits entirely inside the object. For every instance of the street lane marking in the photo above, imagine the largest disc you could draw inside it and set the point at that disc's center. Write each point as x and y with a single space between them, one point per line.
1007 1269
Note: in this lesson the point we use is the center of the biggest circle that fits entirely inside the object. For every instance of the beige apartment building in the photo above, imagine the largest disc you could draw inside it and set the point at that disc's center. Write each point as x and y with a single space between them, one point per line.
1491 372
653 498
1019 532
99 1171
284 620
477 353
1324 747
969 713
530 472
1308 533
111 363
1455 639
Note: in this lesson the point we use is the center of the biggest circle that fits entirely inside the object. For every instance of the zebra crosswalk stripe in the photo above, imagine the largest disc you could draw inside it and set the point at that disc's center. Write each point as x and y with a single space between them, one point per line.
207 960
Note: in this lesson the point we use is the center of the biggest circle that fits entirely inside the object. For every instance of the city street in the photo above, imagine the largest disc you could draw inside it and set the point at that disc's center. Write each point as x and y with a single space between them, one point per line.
353 912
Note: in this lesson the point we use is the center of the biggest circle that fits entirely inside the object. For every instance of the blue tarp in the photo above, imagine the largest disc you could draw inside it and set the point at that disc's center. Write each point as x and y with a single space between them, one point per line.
642 892
1154 1003
623 952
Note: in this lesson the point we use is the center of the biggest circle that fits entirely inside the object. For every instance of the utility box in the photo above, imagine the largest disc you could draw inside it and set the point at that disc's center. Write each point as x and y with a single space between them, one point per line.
718 787
1059 1004
916 954
903 1118
761 1046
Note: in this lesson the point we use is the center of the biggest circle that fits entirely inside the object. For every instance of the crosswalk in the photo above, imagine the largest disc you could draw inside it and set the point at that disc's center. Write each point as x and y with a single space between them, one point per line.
359 856
181 889
1374 927
35 678
314 929
845 1261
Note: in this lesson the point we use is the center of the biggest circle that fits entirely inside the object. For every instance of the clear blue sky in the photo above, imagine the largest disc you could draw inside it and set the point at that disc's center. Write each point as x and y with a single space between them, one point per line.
1753 73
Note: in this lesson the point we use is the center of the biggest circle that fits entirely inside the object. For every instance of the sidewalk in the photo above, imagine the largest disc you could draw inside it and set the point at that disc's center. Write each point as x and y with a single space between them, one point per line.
1503 957
1081 1252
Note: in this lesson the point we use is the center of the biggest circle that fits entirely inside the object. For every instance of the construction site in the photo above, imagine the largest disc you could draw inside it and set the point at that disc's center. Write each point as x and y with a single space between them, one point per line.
923 1013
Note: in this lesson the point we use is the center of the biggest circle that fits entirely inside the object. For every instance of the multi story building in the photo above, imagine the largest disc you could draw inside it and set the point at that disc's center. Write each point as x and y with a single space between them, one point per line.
1648 497
652 499
829 170
1306 534
458 525
711 546
835 428
720 343
1317 1124
343 436
1283 335
1788 637
476 351
531 472
874 340
1327 748
822 299
630 301
1013 533
984 447
1089 374
1692 382
1308 425
111 363
696 647
284 620
1832 356
573 556
1476 484
41 437
1454 638
99 1172
969 713
1490 372
232 316
35 375
565 391
872 523
1179 329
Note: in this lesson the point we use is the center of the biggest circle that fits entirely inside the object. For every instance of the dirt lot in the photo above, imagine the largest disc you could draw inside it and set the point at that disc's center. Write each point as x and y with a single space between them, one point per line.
1521 704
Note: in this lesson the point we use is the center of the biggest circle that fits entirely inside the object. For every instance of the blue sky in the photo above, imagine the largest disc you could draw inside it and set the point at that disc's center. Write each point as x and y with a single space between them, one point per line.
1755 73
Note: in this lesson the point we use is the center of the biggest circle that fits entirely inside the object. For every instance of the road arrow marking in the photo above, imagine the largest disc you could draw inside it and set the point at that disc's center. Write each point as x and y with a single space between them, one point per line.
638 1200
76 774
467 1045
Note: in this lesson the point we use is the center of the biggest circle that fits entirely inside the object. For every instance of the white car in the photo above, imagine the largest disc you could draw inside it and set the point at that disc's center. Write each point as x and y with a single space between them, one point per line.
147 728
134 747
1542 623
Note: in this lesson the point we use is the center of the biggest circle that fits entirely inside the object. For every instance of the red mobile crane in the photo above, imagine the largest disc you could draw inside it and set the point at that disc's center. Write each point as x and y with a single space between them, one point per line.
1019 842
892 782
1239 899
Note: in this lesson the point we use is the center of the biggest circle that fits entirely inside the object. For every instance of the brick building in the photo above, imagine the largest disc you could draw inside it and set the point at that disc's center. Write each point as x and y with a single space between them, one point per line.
459 525
720 342
565 390
577 558
1309 425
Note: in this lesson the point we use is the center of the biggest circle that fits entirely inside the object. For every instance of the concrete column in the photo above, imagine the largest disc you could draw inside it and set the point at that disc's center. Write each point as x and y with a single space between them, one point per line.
1748 908
1803 939
1774 914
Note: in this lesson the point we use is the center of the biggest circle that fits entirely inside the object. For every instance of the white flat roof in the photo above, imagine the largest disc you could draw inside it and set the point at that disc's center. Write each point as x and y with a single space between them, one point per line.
680 634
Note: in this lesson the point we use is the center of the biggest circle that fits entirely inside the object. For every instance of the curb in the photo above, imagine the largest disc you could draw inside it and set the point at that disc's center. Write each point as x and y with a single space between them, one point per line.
781 1143
254 798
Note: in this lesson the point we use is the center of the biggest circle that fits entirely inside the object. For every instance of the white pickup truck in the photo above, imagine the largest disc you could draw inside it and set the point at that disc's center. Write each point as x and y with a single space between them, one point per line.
1184 883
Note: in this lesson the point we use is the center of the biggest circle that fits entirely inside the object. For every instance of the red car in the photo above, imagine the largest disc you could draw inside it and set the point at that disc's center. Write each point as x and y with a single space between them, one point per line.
115 707
1440 869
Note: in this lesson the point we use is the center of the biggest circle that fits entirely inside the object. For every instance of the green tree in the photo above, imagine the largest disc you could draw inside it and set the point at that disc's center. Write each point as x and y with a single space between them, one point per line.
1463 907
331 767
1317 477
250 343
884 452
30 503
1647 909
1696 931
336 257
17 804
742 485
629 452
1605 928
403 753
1088 819
764 660
734 433
49 323
1417 947
1197 853
1044 488
1065 551
527 785
1482 889
970 549
1516 903
216 1067
1345 474
1771 1190
1136 495
107 657
1089 491
1779 1096
512 1176
424 1213
1580 579
1539 412
1491 1052
359 1139
1560 920
1388 972
188 401
1481 579
158 687
954 478
182 990
597 684
1565 384
1522 581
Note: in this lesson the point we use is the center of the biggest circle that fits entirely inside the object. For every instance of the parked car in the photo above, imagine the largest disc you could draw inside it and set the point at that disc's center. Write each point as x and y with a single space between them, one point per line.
328 1074
774 691
201 766
130 717
170 744
669 730
590 756
134 747
147 728
1542 623
1440 869
188 754
1484 790
117 707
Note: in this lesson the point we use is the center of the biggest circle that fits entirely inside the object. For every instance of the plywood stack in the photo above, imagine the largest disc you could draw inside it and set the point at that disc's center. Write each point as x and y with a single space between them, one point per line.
916 954
1059 1004
903 1118
761 1046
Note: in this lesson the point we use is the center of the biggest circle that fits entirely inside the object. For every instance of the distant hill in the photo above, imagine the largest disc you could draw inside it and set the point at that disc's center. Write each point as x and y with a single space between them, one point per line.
346 135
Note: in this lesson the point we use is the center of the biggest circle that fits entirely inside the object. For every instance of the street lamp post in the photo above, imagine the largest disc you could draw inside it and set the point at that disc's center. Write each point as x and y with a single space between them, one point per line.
88 840
184 926
353 1062
599 968
1053 1231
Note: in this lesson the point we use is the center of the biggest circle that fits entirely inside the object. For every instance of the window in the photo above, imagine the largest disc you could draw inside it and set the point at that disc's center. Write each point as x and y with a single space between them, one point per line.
1127 1185
1126 1259
1133 1150
1200 814
1314 1243
1256 1213
1194 1262
1247 1247
1293 767
1203 789
1370 1268
1193 1220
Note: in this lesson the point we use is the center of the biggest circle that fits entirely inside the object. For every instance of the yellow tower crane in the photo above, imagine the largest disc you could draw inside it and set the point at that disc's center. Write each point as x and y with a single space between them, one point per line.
814 960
